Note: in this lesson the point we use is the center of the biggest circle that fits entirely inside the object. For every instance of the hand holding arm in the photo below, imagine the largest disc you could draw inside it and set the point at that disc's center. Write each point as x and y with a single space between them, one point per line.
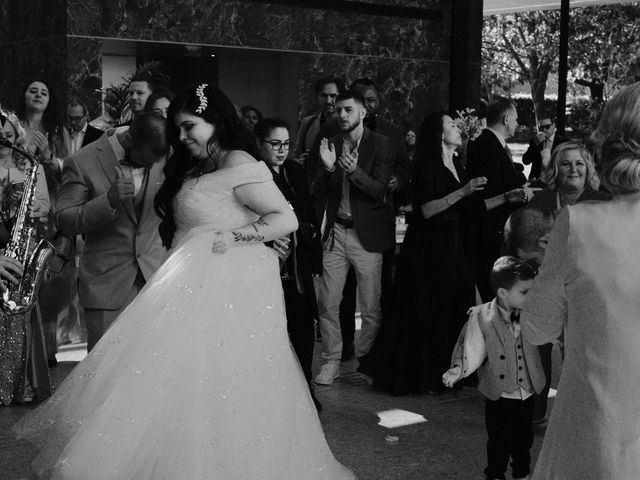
282 247
277 218
517 195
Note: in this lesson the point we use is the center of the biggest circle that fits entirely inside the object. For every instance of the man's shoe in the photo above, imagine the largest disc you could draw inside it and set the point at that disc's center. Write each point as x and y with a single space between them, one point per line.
328 373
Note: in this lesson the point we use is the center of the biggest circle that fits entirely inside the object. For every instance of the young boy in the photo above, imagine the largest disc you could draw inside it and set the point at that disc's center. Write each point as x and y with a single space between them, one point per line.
509 368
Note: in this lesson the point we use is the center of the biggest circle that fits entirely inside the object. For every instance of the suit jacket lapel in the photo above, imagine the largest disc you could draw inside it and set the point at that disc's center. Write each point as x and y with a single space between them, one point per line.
366 151
109 162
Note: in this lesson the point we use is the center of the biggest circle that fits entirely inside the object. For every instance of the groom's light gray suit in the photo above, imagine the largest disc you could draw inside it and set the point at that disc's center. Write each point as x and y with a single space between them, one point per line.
122 246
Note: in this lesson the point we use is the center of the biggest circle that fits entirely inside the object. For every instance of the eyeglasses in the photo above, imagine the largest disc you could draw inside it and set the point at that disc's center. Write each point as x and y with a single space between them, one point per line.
544 127
276 145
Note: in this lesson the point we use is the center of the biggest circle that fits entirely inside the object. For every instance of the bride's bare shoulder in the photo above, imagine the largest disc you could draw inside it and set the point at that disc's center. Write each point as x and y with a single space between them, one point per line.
237 157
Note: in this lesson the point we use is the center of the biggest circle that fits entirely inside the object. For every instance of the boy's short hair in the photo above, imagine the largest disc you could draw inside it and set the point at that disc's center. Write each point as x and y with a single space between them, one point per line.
507 271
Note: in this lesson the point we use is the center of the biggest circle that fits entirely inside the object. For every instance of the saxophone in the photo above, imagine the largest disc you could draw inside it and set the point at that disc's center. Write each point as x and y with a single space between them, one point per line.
23 246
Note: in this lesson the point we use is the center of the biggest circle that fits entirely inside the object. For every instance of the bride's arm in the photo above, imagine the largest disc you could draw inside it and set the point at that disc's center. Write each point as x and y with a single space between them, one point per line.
277 218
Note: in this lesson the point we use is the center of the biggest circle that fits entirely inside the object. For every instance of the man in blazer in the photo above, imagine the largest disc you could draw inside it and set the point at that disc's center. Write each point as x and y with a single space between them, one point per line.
107 195
327 89
398 182
350 187
489 156
541 146
77 132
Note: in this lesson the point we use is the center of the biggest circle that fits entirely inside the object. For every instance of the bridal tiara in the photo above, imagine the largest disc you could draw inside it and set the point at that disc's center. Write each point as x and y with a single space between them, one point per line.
202 97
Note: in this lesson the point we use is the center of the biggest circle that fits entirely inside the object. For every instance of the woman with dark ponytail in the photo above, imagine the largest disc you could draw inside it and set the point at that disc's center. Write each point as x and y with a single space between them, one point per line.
196 378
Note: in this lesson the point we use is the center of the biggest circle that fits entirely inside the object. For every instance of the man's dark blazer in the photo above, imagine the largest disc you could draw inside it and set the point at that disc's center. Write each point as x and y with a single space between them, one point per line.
488 158
532 155
402 163
374 225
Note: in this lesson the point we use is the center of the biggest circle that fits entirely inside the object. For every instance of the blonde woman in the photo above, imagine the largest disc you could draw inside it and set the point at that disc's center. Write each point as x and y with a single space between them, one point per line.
570 178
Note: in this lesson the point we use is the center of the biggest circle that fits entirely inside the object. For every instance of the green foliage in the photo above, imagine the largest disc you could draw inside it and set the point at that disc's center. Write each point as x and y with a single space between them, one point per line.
526 114
583 117
604 50
604 47
521 47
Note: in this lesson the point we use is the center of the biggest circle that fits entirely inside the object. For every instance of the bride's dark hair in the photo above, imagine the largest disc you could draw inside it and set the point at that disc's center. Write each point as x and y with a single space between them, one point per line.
213 106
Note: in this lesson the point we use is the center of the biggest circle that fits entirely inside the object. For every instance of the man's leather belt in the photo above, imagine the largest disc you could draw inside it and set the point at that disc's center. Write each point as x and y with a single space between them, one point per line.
345 222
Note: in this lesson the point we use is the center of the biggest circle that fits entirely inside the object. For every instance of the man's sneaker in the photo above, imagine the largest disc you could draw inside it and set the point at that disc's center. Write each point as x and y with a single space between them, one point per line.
328 373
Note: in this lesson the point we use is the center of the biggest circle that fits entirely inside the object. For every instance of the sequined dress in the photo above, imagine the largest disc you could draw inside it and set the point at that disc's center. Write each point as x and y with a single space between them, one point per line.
196 379
13 341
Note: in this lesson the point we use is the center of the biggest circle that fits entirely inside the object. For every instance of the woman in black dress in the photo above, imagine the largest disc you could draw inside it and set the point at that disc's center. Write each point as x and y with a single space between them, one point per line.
434 285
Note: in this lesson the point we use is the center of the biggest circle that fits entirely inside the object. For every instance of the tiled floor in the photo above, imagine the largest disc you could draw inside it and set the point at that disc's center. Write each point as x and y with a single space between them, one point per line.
449 445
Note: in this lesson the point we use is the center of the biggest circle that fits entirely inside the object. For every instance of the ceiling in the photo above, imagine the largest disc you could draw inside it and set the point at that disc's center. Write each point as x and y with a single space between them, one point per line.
494 7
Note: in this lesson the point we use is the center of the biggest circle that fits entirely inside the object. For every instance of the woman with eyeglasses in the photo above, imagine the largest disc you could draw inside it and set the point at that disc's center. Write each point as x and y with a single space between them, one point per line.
305 251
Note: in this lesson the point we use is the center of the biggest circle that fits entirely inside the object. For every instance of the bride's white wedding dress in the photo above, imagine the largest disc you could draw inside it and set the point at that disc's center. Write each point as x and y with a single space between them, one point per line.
196 380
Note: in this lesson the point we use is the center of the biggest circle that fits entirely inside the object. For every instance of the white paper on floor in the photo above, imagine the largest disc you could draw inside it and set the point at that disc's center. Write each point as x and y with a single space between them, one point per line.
399 418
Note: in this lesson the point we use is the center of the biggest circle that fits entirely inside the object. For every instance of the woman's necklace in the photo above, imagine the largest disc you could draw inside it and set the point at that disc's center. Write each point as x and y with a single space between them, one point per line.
569 198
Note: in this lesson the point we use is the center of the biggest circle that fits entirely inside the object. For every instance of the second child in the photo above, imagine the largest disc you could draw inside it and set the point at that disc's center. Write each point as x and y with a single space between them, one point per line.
509 368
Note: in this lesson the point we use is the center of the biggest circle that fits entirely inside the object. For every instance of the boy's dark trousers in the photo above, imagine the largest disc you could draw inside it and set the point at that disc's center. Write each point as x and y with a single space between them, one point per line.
508 423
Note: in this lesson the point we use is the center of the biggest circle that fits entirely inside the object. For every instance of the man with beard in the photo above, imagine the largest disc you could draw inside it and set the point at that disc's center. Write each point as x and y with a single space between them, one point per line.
350 186
398 183
327 89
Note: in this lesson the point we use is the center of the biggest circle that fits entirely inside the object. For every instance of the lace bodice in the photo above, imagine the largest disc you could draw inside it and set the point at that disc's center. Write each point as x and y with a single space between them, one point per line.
209 201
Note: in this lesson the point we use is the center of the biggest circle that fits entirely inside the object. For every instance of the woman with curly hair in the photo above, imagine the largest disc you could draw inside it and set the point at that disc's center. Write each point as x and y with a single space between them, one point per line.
570 178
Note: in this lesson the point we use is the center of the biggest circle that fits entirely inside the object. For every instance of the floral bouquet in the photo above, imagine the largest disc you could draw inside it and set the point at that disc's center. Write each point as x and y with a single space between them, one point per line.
470 125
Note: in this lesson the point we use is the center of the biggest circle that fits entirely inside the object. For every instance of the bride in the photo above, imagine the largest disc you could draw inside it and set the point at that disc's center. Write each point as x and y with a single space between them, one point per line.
196 379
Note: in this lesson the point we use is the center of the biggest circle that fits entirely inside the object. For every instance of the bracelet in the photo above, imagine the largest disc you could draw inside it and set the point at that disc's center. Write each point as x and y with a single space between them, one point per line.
506 199
446 199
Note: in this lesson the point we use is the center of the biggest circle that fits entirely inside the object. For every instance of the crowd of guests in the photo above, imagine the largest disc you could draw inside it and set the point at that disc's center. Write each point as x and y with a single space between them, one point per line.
467 268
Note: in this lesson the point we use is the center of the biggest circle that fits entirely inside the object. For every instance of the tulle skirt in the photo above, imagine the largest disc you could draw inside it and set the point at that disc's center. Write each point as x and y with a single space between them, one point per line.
195 380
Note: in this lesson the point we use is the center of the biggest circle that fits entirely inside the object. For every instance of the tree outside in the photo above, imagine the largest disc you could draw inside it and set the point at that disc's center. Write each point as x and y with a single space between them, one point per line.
521 49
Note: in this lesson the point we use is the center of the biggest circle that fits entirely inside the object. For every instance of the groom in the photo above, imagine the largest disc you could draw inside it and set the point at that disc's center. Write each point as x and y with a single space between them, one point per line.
107 195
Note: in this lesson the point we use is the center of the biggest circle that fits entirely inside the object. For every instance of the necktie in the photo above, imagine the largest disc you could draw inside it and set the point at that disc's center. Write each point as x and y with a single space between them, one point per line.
515 317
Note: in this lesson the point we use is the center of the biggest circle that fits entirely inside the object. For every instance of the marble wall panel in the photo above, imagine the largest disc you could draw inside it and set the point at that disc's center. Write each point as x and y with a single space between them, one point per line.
408 88
408 58
32 45
258 25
